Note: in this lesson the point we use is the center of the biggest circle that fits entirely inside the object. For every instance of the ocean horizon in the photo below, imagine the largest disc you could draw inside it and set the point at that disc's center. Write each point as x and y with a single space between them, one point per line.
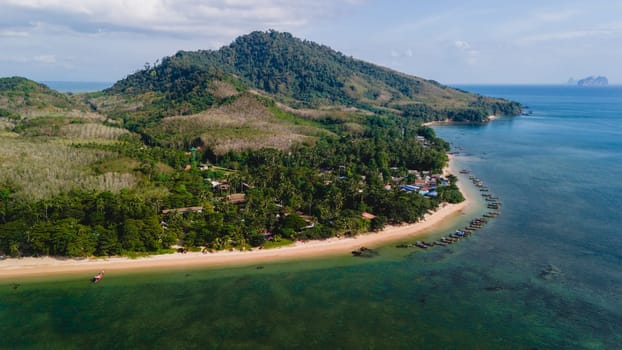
543 275
77 86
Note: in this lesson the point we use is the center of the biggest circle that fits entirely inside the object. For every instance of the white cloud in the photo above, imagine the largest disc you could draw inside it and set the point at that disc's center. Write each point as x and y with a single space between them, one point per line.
181 16
43 59
466 51
403 53
463 45
567 35
107 39
123 34
13 33
46 59
556 16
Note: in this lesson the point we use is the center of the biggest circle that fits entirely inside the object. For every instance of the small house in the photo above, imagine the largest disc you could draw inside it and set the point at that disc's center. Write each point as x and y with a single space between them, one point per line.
236 198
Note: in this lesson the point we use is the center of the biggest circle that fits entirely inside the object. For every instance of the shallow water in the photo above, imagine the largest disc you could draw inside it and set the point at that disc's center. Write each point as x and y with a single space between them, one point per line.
545 274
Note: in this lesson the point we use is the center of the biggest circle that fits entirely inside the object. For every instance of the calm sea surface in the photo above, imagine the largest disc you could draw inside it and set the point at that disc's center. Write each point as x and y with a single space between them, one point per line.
546 274
77 86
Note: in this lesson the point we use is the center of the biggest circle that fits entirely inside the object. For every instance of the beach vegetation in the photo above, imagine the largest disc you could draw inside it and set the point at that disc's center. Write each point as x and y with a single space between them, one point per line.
277 242
312 191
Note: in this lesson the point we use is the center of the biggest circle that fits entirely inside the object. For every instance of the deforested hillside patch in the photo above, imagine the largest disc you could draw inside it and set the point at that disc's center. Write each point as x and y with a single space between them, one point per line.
248 122
6 124
222 89
67 127
89 131
40 169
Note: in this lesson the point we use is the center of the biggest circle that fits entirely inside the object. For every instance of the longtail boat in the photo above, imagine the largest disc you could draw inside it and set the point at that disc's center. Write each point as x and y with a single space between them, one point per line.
98 277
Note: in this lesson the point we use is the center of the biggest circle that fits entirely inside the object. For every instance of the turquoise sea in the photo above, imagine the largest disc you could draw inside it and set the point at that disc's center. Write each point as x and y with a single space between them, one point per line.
546 274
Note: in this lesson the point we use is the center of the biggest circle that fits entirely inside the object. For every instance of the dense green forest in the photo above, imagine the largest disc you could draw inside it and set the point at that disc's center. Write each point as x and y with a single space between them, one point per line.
265 141
308 192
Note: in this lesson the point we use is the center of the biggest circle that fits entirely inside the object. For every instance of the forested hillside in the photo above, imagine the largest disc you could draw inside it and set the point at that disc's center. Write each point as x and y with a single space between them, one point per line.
244 199
265 141
298 73
22 99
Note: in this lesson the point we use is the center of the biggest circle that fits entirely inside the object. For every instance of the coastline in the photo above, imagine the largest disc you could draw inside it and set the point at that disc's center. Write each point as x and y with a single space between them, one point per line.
449 121
49 266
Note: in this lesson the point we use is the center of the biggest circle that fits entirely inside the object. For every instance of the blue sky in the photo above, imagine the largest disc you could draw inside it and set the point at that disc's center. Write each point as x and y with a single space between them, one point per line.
468 41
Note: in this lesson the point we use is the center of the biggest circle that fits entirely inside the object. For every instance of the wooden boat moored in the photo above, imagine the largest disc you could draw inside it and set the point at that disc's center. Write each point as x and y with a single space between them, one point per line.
422 245
98 277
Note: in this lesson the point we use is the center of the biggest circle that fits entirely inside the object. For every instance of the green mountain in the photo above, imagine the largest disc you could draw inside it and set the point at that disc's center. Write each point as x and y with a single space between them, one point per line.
293 82
268 126
23 97
33 109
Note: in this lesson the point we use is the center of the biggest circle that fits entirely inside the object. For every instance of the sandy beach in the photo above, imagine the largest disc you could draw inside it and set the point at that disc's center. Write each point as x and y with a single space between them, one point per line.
48 266
449 121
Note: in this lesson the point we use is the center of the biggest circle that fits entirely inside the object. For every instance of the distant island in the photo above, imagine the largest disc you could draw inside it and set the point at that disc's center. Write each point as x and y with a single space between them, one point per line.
590 81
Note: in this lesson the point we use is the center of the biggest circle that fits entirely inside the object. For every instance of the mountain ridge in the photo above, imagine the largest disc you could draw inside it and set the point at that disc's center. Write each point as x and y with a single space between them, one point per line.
285 66
299 74
269 85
